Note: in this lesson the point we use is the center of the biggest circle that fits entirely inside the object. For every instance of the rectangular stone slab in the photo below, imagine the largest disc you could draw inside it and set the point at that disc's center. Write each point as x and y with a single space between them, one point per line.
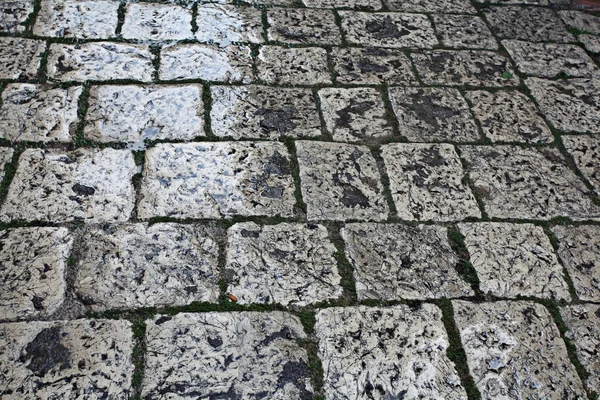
20 58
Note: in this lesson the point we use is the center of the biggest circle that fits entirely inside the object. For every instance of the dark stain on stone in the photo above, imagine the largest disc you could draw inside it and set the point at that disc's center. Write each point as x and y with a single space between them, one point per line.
366 65
276 120
215 342
277 164
191 289
432 157
355 108
597 312
295 373
163 319
406 262
249 234
428 110
284 333
352 197
45 352
279 254
62 67
529 314
271 192
289 33
386 29
229 395
38 302
83 190
585 267
438 61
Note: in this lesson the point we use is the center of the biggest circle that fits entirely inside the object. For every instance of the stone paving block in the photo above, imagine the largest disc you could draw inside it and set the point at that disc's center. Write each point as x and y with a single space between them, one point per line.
514 350
20 58
214 180
583 322
433 115
585 150
529 183
206 62
509 116
579 250
33 263
534 24
247 355
151 21
93 185
372 66
262 112
590 42
386 353
549 59
80 359
393 262
224 24
388 29
135 265
302 25
6 155
293 66
426 181
13 14
464 32
581 21
340 182
570 105
133 113
358 4
80 19
514 260
99 61
289 264
38 113
432 6
464 68
355 114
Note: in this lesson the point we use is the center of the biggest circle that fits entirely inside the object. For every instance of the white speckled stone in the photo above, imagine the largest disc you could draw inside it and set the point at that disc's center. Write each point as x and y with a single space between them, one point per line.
514 350
362 4
214 180
514 260
99 61
32 269
430 6
152 21
303 25
223 24
372 66
38 113
582 21
464 32
6 155
86 184
206 62
393 262
13 13
81 359
80 19
585 151
137 113
426 181
136 265
386 353
20 58
590 42
246 355
293 66
287 264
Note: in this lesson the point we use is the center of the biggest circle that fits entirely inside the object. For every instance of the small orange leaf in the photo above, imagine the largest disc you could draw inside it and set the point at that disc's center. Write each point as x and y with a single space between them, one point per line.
232 297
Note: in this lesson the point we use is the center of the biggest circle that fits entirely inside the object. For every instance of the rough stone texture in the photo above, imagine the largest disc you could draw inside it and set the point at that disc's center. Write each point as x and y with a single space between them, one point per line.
209 180
151 21
340 182
531 183
590 42
523 2
99 61
297 25
388 29
433 115
224 24
206 62
6 155
466 67
244 355
426 181
549 59
514 350
509 116
362 4
430 6
20 58
372 66
581 21
80 19
32 267
13 14
585 150
583 322
92 185
579 250
393 262
136 265
262 112
289 264
38 113
464 32
353 115
572 105
514 260
137 113
293 66
386 353
534 24
81 359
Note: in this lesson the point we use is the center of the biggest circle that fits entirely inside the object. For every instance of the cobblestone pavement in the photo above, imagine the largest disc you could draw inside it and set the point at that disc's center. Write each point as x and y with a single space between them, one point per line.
299 199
